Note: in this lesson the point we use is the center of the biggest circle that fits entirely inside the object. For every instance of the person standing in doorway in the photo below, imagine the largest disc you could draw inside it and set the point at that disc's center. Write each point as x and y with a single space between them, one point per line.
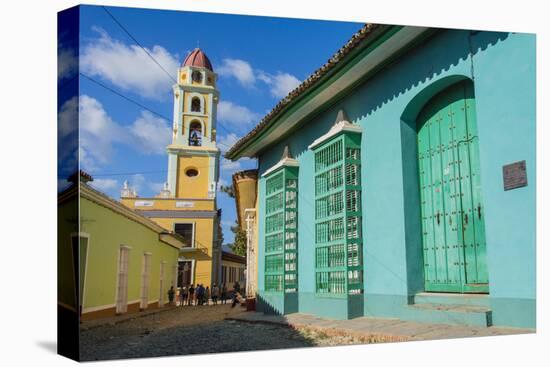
200 294
224 294
207 295
171 294
183 296
215 294
191 295
236 294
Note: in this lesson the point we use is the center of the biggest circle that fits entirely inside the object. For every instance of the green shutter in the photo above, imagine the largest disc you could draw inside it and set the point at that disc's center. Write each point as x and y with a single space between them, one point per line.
281 250
338 234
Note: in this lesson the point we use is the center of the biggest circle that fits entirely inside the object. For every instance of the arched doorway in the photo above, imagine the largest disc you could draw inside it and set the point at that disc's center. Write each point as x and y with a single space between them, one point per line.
453 230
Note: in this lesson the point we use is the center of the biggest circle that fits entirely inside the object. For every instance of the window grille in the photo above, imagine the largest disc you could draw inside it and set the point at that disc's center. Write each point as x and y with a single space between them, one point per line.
281 208
274 243
338 235
186 231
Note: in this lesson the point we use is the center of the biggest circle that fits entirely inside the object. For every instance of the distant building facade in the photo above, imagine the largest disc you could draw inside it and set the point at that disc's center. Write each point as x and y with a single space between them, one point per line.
187 204
398 180
233 270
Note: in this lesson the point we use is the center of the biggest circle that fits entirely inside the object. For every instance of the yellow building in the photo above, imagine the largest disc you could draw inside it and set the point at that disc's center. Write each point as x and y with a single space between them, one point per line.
111 259
187 204
233 270
245 185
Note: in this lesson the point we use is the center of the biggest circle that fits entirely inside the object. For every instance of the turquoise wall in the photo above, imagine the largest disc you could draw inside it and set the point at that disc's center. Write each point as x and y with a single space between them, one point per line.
502 67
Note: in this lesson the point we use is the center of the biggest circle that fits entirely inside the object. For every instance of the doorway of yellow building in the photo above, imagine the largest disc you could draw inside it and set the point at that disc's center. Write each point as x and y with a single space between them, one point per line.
185 273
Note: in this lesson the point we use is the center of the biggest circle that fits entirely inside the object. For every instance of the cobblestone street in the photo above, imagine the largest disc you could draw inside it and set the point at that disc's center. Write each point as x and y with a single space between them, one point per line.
217 329
192 330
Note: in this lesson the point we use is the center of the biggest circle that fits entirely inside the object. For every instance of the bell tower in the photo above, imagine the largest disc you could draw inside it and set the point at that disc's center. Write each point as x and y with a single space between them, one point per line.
193 157
186 205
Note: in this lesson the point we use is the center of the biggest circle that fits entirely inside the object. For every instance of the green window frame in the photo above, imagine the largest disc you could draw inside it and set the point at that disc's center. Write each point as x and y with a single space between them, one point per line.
338 216
281 225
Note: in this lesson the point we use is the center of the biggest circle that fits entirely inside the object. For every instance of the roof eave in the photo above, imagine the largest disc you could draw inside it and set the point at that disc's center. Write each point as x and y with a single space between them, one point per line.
248 145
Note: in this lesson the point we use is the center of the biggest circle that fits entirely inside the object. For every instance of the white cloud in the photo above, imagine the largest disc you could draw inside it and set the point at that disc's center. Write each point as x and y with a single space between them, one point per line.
228 223
67 137
228 168
128 66
238 69
227 165
226 141
156 187
87 161
105 184
151 133
236 115
137 181
68 118
99 133
281 83
67 63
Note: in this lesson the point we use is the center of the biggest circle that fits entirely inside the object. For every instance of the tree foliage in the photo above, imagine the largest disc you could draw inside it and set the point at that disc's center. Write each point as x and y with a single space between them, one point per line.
229 190
239 244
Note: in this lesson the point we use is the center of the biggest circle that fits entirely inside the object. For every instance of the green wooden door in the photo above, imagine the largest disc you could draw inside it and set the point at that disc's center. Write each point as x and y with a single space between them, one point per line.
453 233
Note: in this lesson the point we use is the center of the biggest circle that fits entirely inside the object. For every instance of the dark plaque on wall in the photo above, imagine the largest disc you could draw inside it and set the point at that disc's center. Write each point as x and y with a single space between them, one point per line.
514 175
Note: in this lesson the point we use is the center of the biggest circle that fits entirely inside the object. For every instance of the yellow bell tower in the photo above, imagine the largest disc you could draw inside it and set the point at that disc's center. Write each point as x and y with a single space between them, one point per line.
187 203
193 155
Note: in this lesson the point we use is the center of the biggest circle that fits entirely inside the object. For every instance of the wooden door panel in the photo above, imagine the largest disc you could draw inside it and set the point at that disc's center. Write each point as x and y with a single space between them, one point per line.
478 243
452 221
426 206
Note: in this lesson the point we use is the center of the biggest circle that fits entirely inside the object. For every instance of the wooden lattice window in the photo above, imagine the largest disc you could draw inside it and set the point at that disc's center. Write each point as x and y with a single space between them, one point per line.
281 225
338 218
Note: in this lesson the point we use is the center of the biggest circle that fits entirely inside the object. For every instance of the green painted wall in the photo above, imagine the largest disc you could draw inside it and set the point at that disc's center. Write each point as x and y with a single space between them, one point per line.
108 231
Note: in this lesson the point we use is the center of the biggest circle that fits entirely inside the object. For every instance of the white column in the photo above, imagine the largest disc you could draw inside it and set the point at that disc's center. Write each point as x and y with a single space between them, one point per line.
172 173
250 216
213 175
178 112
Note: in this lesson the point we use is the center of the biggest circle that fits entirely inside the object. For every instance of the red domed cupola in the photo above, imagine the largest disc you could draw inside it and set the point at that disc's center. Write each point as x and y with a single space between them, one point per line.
198 58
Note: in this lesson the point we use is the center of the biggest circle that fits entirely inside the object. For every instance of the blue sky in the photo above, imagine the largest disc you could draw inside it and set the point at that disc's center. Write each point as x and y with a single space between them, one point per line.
258 60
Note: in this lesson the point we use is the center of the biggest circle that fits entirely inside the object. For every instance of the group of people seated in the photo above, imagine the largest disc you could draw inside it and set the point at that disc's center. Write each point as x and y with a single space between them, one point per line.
199 295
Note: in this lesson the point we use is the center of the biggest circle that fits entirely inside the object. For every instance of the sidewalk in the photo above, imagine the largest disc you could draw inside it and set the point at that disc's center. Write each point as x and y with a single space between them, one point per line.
384 329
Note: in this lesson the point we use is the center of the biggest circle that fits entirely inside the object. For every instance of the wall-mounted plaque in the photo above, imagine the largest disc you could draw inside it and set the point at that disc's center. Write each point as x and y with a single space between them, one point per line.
144 203
185 204
514 175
